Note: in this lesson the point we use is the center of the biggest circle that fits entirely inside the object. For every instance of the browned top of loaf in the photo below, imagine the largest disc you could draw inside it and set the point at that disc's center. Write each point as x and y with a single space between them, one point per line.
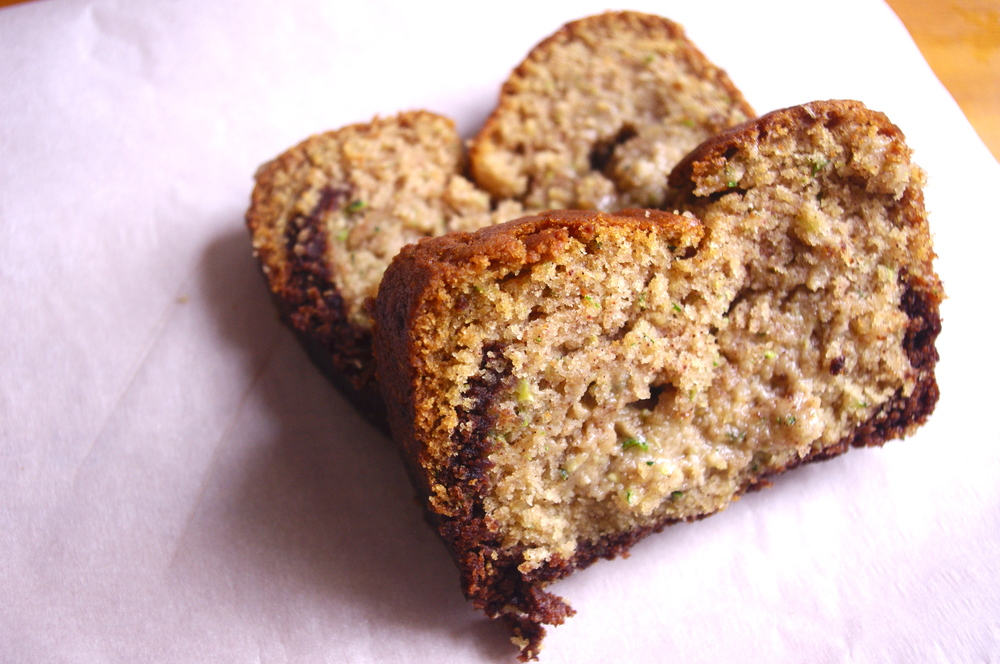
714 152
528 239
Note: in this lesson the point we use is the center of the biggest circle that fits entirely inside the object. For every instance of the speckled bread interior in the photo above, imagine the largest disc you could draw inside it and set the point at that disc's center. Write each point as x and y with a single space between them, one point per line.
566 384
328 215
612 101
599 112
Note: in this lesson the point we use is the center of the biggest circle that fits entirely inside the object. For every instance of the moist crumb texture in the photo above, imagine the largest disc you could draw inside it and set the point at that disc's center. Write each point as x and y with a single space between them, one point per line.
566 384
328 215
599 112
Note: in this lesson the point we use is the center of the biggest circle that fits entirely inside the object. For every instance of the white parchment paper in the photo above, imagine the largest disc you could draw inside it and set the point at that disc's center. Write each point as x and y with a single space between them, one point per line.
179 484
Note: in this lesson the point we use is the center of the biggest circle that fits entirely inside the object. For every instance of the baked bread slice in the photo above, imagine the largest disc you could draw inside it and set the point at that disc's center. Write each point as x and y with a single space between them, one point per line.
827 247
598 112
328 215
502 355
563 385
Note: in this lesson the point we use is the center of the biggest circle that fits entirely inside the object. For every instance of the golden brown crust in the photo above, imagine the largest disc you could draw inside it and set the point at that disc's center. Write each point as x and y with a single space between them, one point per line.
712 154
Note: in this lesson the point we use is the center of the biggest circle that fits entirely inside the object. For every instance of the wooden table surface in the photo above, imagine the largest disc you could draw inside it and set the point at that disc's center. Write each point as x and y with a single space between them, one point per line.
961 41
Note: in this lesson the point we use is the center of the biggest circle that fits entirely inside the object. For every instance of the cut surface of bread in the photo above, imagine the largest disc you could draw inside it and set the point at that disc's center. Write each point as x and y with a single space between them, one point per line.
597 113
329 214
829 255
563 385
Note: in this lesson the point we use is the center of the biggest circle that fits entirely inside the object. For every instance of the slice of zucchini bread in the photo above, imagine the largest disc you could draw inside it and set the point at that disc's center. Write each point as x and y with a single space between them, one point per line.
563 385
506 360
328 215
820 247
598 112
